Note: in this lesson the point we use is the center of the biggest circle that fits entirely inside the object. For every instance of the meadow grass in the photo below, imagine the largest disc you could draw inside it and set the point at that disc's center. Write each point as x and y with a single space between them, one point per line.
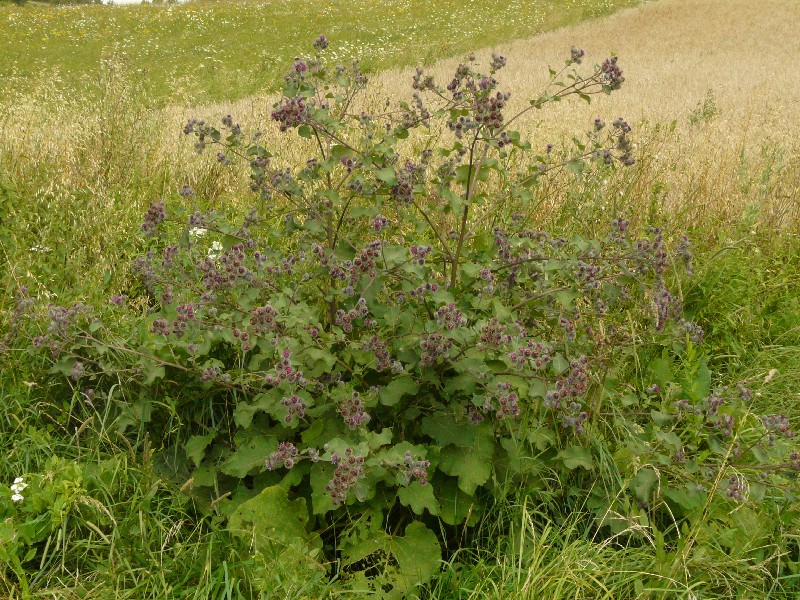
208 50
76 173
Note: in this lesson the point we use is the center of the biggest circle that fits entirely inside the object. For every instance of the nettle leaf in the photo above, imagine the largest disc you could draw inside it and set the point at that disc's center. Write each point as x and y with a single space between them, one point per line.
472 465
399 387
576 456
419 498
697 383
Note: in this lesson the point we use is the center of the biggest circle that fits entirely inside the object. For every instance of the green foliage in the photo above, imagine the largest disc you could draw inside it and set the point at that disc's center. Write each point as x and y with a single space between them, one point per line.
385 343
705 110
275 528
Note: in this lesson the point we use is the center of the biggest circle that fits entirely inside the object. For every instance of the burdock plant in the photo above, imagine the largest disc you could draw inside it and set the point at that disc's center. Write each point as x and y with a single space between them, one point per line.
385 334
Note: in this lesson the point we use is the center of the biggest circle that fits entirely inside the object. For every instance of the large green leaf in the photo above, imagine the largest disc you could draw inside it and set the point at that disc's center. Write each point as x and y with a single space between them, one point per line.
697 382
576 456
456 507
643 482
399 387
387 175
245 411
417 556
195 447
321 361
472 465
419 498
275 528
517 458
447 430
251 453
660 370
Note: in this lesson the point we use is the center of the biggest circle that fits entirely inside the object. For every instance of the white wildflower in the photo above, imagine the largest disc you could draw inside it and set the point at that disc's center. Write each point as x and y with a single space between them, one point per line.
214 250
17 487
197 232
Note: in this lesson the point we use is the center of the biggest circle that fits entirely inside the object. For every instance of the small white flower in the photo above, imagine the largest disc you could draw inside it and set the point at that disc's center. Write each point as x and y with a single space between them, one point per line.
40 249
197 232
214 250
17 487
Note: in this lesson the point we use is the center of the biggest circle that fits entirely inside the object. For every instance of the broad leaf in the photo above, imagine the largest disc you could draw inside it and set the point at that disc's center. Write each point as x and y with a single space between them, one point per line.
195 447
275 528
576 456
419 498
399 387
472 465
